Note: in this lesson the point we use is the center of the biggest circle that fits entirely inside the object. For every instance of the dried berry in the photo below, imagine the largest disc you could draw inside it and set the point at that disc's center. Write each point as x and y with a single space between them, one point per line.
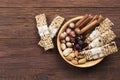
72 39
80 42
77 46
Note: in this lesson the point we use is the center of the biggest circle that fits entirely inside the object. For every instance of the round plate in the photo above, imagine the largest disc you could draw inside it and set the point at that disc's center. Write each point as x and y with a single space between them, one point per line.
85 65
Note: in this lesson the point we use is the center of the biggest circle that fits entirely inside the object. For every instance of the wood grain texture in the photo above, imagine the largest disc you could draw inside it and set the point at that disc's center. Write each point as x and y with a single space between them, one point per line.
22 59
20 22
59 3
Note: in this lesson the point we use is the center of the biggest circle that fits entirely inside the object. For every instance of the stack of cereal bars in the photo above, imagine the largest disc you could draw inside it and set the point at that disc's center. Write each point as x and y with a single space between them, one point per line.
100 41
47 33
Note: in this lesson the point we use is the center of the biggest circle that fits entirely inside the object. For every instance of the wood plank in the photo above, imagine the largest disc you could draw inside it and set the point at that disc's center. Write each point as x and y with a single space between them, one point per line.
26 52
60 3
20 22
22 59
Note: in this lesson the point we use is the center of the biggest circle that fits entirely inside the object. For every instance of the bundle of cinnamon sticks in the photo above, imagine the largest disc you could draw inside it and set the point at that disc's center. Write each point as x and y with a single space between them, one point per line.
88 21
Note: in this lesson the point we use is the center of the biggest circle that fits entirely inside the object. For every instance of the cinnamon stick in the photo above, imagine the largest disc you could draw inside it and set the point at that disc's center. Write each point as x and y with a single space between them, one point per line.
85 22
100 18
92 24
78 24
94 18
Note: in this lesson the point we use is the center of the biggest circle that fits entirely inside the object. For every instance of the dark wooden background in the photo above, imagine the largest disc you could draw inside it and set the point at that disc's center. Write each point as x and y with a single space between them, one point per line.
22 59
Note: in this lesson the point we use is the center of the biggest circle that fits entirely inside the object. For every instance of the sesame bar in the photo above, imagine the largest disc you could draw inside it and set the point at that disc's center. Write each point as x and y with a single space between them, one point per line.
55 25
100 52
105 38
46 40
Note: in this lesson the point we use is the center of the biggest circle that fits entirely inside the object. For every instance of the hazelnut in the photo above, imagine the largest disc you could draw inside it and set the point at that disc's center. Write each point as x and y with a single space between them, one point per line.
62 36
72 25
65 33
68 30
67 38
77 31
69 44
72 33
63 46
63 41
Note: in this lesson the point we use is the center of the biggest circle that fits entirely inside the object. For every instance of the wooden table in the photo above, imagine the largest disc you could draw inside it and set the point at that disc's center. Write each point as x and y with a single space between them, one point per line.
22 59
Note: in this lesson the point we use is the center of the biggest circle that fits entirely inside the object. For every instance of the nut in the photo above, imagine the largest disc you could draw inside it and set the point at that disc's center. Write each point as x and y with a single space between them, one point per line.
72 39
69 57
72 55
80 56
62 36
65 33
72 33
76 58
72 25
74 62
68 30
63 41
77 31
67 51
76 53
69 44
67 38
81 61
63 46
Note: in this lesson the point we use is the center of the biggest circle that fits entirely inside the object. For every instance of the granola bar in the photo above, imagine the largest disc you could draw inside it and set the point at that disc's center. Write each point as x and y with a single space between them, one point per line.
99 52
105 38
55 25
46 40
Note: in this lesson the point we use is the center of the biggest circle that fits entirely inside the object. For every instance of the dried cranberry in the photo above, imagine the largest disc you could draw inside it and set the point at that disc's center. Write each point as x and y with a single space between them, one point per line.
80 42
